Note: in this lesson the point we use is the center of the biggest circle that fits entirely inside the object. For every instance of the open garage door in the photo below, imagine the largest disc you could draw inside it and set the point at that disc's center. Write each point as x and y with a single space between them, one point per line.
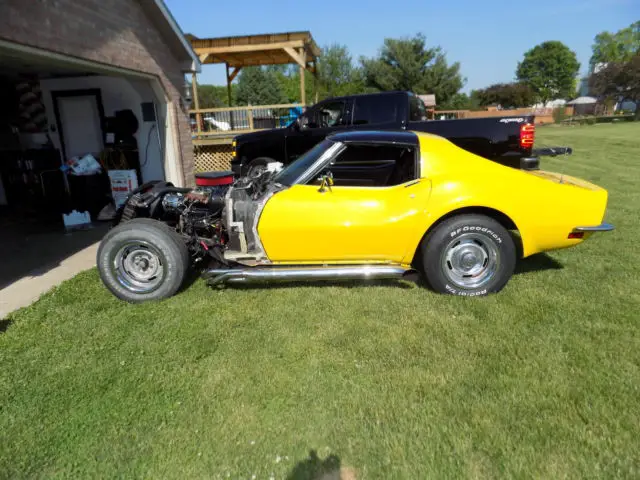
58 108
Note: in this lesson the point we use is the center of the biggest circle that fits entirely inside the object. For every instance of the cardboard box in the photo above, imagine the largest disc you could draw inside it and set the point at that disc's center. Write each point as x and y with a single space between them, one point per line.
123 182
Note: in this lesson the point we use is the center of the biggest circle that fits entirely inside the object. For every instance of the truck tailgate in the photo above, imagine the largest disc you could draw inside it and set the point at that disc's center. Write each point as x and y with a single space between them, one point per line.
495 138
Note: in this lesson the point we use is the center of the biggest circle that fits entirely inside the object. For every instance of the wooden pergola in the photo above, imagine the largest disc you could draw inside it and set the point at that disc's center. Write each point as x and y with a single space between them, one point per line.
255 50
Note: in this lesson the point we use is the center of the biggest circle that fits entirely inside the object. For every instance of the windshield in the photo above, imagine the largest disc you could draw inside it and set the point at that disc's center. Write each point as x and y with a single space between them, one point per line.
297 169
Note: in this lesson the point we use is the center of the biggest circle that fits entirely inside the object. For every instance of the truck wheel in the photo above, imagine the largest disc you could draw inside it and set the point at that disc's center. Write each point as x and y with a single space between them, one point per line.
468 255
142 260
258 166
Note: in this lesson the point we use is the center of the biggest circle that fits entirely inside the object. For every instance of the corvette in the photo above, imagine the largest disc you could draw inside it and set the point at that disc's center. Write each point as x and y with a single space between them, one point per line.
359 205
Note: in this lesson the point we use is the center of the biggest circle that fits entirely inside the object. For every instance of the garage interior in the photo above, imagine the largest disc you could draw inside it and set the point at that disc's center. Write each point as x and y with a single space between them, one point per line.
52 111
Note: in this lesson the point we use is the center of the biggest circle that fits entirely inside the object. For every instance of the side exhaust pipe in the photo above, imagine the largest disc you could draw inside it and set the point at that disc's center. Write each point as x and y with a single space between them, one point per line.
270 274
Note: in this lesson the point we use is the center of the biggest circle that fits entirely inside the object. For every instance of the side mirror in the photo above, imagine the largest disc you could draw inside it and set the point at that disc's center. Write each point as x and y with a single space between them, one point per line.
326 182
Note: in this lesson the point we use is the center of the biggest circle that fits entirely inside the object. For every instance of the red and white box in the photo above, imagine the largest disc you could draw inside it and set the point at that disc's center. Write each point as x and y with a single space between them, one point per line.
123 182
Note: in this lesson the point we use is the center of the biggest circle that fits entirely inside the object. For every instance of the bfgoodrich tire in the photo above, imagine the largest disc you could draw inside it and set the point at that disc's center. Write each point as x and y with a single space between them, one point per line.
468 255
142 260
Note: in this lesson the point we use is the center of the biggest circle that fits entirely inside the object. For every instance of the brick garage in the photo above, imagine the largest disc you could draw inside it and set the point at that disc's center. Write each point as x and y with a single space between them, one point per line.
131 38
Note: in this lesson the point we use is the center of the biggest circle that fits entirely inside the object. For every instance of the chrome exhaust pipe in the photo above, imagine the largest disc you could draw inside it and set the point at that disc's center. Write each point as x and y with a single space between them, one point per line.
337 272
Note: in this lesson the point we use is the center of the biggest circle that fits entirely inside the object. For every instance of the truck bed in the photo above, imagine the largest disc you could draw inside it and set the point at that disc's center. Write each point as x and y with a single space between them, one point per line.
495 138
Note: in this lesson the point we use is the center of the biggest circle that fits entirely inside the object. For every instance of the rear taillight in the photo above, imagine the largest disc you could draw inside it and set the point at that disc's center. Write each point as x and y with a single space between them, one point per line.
527 135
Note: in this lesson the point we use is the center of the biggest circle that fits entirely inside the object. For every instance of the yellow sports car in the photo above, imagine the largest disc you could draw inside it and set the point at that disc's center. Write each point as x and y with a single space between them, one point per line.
358 205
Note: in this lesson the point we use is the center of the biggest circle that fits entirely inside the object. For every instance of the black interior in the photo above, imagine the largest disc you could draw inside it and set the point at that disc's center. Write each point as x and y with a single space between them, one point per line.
373 166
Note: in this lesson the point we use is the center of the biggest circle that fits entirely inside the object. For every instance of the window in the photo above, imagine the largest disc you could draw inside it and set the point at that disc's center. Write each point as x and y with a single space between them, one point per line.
292 173
325 115
373 166
375 109
417 110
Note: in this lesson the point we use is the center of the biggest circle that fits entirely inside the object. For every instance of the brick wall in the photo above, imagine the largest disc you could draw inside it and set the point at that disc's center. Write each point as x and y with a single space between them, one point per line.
114 32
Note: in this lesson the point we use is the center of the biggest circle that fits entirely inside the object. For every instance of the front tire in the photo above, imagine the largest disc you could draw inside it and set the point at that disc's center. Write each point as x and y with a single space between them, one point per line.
142 260
258 166
468 255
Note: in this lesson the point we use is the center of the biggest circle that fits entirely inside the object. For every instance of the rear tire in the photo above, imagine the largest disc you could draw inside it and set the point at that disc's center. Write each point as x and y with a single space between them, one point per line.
142 260
468 255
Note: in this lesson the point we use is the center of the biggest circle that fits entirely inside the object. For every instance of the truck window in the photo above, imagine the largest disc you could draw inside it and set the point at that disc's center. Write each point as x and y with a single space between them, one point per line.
375 109
373 166
417 110
325 115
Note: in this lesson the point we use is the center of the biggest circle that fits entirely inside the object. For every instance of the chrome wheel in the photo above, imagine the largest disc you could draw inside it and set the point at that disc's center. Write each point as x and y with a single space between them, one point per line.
470 260
138 267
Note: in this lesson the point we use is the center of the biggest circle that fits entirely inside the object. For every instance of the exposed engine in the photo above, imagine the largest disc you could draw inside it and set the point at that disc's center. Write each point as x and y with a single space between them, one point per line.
216 222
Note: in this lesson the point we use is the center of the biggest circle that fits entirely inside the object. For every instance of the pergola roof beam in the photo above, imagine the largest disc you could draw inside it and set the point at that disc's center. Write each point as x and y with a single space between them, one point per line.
250 48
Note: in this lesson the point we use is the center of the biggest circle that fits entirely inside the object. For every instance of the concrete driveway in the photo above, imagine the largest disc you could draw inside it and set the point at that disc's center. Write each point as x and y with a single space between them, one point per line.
33 262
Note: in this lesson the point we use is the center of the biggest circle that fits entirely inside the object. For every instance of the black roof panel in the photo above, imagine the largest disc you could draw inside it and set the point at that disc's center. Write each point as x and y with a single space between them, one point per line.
376 136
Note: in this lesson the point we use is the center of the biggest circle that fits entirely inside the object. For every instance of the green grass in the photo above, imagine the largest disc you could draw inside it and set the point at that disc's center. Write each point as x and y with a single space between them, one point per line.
389 380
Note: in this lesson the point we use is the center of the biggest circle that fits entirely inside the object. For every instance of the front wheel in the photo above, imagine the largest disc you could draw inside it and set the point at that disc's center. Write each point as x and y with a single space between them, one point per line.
258 166
468 255
142 260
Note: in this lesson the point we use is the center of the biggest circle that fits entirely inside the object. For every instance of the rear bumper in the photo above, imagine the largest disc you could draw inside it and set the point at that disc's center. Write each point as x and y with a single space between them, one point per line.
603 227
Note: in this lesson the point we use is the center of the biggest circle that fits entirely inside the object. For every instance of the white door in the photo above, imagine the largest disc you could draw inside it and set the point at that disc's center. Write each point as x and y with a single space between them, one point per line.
80 127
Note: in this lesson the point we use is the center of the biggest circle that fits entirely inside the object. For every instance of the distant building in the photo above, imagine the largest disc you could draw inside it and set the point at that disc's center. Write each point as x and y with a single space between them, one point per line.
584 90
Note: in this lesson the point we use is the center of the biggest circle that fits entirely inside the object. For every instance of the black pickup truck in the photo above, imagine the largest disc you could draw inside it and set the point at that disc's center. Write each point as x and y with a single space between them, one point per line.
507 140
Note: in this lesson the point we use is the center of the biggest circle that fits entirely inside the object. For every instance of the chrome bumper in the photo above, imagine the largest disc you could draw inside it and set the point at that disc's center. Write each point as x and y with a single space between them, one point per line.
603 227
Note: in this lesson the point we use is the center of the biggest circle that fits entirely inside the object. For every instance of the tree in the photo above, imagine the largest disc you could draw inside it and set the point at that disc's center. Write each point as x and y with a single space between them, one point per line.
213 96
259 86
616 47
550 70
288 79
337 75
507 95
619 81
458 101
408 64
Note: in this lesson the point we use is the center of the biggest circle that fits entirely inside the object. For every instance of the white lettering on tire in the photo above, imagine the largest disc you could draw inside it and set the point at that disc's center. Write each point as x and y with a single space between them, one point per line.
465 229
461 293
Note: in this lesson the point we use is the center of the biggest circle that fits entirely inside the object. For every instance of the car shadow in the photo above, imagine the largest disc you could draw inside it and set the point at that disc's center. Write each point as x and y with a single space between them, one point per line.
537 263
315 468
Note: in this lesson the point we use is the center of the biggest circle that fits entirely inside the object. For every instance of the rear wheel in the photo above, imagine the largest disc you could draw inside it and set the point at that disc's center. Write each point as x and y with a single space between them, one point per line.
142 260
468 255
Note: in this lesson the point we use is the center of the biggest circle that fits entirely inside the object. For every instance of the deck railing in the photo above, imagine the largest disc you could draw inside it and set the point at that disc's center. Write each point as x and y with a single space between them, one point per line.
211 122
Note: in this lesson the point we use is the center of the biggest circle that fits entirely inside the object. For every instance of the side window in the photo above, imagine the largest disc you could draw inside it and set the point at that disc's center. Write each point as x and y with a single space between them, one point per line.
375 109
417 110
324 115
373 166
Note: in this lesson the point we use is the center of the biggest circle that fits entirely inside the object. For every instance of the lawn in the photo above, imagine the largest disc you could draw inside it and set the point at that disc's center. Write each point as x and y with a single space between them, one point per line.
386 380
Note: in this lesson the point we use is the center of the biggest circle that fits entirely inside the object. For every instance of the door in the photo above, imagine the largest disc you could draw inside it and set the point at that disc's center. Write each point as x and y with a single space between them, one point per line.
315 124
80 117
342 224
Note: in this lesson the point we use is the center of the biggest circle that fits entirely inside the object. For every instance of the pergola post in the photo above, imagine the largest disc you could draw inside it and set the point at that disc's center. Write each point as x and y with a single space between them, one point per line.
228 84
229 95
315 81
303 93
303 66
196 101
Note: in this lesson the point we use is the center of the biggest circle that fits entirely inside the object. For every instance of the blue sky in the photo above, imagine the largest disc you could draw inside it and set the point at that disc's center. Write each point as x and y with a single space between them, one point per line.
487 37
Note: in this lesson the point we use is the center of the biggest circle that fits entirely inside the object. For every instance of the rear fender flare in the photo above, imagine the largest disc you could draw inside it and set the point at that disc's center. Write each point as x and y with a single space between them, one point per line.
468 207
